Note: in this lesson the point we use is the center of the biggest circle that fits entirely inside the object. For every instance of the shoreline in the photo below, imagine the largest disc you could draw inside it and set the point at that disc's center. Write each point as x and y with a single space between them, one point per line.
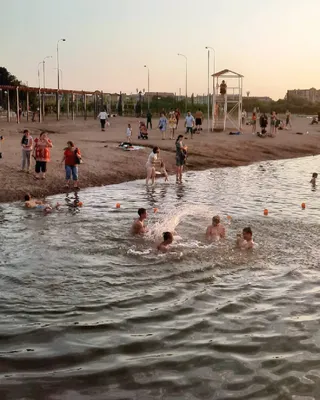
106 164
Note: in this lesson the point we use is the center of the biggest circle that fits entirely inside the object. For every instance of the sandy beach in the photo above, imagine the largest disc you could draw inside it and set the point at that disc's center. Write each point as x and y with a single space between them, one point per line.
105 163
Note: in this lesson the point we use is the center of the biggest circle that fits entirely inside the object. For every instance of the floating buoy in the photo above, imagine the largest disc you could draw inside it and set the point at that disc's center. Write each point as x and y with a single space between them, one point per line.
80 204
155 210
118 205
229 217
265 212
303 206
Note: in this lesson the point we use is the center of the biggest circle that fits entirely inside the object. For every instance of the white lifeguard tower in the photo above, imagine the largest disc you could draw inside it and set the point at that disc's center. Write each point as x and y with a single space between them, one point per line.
227 107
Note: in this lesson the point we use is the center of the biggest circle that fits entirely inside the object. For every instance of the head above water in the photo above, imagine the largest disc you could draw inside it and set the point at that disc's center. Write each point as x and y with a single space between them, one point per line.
216 220
247 234
314 175
27 197
142 212
156 150
167 237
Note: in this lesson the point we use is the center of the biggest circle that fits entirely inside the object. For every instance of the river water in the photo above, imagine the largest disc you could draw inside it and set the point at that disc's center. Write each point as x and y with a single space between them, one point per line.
88 312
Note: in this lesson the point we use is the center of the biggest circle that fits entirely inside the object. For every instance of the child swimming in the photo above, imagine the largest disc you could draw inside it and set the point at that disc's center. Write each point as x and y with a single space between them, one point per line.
245 241
314 179
167 240
29 202
216 231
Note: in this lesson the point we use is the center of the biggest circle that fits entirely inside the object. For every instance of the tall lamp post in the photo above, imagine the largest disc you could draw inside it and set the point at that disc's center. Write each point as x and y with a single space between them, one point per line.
39 84
148 86
58 68
182 55
214 71
44 82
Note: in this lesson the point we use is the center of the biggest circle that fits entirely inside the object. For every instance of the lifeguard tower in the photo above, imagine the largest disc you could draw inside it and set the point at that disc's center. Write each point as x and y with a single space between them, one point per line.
227 107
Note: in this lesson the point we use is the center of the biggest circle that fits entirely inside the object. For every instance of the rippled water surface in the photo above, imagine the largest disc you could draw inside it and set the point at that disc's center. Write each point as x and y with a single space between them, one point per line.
88 312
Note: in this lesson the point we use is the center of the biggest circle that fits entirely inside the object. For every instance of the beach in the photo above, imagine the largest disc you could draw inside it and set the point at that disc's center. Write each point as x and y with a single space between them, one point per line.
105 163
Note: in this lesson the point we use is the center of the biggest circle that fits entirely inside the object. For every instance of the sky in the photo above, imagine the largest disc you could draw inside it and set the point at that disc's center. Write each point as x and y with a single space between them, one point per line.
273 43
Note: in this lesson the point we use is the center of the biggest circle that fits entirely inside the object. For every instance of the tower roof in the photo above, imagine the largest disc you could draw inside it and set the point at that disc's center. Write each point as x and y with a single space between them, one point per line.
227 73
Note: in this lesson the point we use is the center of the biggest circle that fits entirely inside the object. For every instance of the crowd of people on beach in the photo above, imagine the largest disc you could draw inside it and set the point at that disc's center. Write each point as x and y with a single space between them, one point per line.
275 122
215 232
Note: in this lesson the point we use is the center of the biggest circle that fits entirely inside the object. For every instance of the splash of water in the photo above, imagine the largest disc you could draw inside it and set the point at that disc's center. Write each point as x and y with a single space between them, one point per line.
171 219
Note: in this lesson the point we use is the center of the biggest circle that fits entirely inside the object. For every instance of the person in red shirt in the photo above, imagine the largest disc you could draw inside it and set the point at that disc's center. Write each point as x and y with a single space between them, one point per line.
71 159
41 153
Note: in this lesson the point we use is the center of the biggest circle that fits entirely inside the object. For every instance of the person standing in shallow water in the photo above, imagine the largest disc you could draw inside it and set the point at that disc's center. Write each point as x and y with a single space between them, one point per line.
181 154
151 165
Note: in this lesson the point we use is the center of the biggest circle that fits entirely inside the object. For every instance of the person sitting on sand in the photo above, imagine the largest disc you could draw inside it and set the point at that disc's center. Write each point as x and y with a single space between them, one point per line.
167 240
216 231
314 179
138 227
245 240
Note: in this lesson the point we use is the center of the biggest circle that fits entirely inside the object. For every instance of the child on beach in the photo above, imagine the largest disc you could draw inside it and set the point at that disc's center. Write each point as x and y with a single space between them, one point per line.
129 133
163 171
167 240
245 241
216 231
314 179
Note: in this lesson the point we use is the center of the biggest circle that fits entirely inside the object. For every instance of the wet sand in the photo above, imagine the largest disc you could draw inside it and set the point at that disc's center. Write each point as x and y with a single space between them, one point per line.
105 163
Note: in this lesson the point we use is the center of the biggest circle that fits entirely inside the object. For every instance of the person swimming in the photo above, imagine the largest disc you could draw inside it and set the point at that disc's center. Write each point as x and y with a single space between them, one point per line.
314 179
138 227
167 240
29 202
216 231
245 241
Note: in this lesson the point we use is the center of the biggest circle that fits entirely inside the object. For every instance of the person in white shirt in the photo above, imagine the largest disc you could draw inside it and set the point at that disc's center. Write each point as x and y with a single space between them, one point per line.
189 123
27 146
129 133
151 165
103 116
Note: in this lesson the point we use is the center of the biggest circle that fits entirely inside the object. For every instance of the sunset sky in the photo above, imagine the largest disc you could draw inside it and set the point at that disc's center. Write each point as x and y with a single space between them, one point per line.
273 43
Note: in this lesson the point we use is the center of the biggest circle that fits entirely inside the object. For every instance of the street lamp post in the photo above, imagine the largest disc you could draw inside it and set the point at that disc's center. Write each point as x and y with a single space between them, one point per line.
148 86
39 84
182 55
44 82
58 68
214 71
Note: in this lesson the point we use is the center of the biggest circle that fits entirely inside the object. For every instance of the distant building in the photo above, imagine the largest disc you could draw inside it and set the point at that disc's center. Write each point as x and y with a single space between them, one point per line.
312 95
263 99
159 94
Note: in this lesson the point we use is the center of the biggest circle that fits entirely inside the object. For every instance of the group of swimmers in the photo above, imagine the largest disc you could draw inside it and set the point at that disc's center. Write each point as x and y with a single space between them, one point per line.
215 231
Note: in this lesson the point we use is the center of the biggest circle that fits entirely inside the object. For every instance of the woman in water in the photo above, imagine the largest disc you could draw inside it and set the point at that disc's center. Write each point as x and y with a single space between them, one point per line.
181 154
151 165
71 158
41 154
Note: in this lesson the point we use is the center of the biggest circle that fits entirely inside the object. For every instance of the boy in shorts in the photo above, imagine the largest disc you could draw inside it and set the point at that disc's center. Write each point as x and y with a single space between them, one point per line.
189 124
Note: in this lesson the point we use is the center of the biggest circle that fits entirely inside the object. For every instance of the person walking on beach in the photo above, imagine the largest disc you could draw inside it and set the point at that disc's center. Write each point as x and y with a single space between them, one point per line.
273 124
172 123
189 124
149 119
181 155
41 153
288 120
71 159
254 123
178 114
151 165
27 146
163 125
199 118
103 117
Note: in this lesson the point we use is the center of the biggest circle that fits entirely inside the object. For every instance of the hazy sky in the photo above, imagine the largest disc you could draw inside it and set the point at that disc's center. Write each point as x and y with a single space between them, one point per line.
273 43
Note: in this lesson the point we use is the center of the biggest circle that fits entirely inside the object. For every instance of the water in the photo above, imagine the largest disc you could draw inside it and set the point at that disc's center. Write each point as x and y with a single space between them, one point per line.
88 312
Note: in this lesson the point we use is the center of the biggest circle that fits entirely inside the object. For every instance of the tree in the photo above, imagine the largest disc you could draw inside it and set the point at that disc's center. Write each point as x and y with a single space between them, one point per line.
120 105
7 79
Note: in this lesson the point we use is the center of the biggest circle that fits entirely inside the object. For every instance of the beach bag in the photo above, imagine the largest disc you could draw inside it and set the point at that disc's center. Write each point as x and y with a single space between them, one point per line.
77 158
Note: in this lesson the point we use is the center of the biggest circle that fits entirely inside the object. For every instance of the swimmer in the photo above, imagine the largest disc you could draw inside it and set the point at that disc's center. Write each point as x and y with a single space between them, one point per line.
138 227
245 240
29 202
216 231
167 240
314 179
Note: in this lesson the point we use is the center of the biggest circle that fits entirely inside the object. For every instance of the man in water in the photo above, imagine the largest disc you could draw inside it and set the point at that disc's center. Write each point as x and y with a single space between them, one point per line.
138 227
216 231
245 240
167 240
